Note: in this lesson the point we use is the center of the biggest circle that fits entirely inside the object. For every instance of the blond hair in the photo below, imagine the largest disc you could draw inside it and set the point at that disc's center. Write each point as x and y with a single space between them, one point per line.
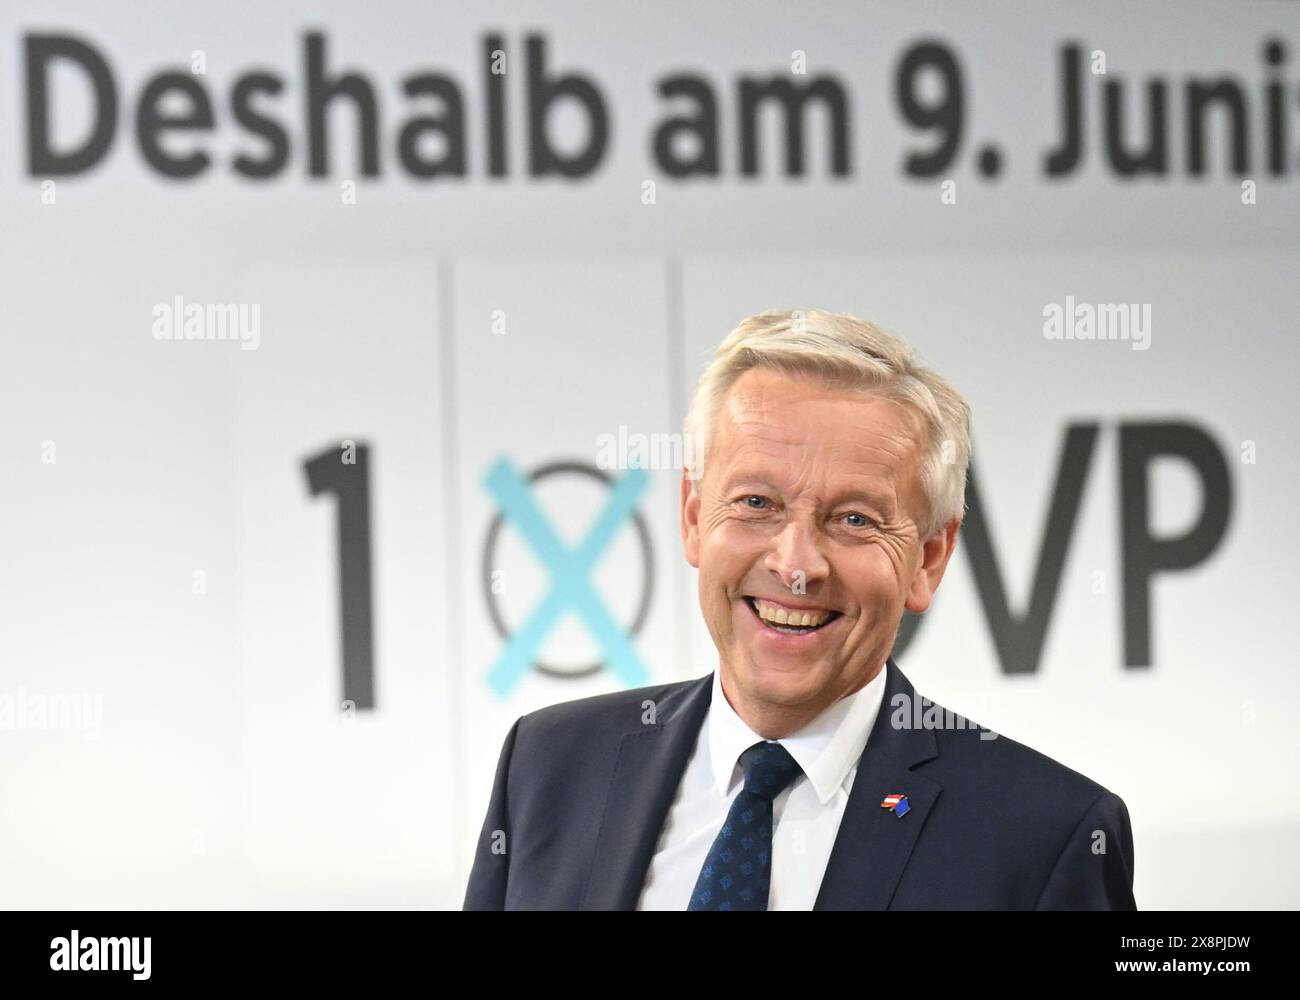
849 353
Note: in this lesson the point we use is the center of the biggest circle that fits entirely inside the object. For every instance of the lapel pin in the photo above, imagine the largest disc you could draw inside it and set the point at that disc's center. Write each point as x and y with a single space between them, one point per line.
897 804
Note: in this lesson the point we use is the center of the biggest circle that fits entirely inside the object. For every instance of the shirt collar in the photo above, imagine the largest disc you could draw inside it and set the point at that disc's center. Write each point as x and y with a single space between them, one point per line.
826 748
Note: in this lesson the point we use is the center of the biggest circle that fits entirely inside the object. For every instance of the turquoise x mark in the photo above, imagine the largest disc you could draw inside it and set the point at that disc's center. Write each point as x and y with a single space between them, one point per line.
569 570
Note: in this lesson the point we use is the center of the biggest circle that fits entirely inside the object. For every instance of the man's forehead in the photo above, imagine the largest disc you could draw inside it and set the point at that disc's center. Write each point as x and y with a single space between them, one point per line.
777 430
769 406
781 462
764 388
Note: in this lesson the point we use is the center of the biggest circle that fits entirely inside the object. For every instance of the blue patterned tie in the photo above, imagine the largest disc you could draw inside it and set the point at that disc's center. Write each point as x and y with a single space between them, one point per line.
738 870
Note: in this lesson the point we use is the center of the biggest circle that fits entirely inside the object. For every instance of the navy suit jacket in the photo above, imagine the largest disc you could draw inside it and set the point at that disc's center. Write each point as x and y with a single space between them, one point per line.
583 788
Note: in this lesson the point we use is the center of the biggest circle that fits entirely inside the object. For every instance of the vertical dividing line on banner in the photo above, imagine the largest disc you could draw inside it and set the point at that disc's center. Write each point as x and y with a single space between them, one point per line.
677 380
455 663
248 762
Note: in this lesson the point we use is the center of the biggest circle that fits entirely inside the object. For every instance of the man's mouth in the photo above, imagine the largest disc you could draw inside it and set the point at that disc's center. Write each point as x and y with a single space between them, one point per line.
790 621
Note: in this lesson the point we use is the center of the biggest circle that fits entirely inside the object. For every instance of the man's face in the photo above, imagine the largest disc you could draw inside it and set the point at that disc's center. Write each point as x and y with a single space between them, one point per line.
809 503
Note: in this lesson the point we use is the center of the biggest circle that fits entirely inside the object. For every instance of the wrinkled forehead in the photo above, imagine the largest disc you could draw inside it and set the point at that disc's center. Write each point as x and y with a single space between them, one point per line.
805 410
801 428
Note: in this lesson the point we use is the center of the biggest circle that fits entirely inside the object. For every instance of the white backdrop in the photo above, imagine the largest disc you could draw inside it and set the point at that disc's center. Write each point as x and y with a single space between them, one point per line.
171 717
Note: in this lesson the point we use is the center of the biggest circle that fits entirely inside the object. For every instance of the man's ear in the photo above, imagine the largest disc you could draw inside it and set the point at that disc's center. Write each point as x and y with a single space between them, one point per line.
935 553
690 519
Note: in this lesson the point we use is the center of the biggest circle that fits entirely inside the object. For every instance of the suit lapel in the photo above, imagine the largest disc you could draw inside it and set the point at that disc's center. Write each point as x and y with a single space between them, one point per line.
649 768
873 845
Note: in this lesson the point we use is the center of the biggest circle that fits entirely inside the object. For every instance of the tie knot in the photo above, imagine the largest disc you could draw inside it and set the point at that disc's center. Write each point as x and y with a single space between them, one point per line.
769 768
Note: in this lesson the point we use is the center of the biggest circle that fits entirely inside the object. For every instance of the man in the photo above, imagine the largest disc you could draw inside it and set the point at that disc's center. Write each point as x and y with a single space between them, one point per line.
824 496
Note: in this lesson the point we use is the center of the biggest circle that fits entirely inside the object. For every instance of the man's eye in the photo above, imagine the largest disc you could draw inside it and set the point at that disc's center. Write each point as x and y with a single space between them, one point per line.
862 522
755 505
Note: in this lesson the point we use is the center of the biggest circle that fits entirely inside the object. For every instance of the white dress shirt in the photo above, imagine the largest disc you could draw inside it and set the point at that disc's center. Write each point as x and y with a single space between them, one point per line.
805 816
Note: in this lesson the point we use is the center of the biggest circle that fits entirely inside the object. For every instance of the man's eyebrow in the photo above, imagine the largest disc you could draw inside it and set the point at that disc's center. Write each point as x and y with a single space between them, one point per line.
876 497
747 478
872 498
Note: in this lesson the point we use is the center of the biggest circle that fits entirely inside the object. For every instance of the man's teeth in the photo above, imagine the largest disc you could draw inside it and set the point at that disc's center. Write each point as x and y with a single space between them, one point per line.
798 619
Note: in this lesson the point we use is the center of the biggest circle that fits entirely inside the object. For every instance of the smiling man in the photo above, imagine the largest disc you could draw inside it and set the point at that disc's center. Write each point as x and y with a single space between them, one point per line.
806 531
805 772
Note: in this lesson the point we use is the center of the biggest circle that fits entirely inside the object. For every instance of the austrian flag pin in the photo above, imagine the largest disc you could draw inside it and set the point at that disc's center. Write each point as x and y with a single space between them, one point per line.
897 804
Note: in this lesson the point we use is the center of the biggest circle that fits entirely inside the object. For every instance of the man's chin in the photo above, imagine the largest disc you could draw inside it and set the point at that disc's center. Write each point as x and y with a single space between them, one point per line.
782 682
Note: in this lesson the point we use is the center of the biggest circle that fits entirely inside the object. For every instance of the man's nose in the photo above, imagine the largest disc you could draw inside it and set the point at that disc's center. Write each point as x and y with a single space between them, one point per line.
796 556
